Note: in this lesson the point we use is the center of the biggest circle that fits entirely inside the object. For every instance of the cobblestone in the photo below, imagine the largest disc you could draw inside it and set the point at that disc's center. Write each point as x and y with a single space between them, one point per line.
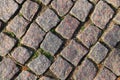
115 3
32 38
45 2
39 65
105 74
112 62
22 54
117 18
46 78
67 27
29 9
7 69
89 35
62 6
102 14
6 44
74 52
86 69
18 26
7 9
25 75
19 1
47 20
98 52
81 9
51 43
61 68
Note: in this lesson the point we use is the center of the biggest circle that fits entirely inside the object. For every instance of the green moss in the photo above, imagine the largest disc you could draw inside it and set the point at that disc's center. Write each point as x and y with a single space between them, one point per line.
38 1
20 14
11 34
82 28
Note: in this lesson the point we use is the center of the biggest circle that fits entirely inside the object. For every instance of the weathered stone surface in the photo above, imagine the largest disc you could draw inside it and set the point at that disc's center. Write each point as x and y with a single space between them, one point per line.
7 69
47 20
21 54
67 27
6 44
102 14
98 52
25 75
46 78
45 2
105 74
17 26
113 61
51 43
115 3
81 9
29 9
87 71
112 36
116 19
39 65
89 35
33 36
62 6
74 52
7 9
19 1
61 68
94 1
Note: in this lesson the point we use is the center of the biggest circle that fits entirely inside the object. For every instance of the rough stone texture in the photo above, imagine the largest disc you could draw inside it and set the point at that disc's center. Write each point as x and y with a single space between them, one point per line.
19 1
67 27
113 61
94 1
25 75
45 2
7 69
105 74
102 14
22 54
33 36
89 35
29 9
62 6
87 71
6 44
39 65
17 26
115 3
7 9
47 20
117 18
61 68
98 52
74 52
112 36
46 78
51 43
81 9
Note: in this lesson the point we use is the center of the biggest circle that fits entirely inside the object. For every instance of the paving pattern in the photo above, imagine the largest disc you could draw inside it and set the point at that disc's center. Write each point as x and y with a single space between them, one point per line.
59 39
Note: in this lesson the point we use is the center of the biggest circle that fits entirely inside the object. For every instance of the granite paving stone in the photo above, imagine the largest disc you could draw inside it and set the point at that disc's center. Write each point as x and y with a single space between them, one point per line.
6 44
22 54
81 9
51 43
115 3
18 26
98 52
29 9
67 27
117 18
89 35
113 61
47 20
105 74
39 65
61 68
74 52
33 36
62 6
7 69
25 75
102 14
7 9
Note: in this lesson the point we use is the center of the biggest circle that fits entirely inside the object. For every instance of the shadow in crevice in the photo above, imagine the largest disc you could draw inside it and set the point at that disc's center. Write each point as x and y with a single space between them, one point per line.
118 45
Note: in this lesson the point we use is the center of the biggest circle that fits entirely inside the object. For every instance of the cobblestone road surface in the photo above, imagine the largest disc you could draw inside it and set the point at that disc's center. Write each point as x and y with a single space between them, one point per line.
59 40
